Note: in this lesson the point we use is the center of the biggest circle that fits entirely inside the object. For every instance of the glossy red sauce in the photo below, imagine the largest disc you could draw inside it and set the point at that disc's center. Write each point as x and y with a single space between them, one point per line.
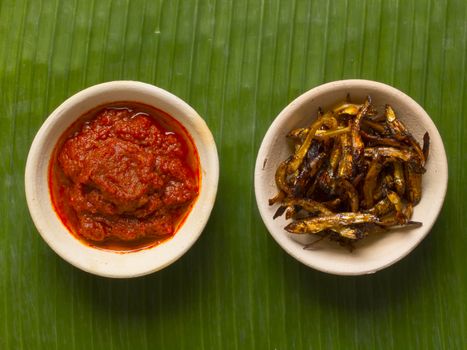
124 176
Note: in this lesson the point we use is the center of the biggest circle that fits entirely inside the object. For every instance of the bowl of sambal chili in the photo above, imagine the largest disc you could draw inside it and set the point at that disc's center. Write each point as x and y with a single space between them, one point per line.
121 179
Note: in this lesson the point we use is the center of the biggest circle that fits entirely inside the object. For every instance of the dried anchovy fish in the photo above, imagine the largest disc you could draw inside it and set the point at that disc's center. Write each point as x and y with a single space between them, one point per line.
353 173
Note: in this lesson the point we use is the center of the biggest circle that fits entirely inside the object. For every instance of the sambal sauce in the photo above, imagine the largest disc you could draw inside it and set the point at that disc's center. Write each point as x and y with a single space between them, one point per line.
124 176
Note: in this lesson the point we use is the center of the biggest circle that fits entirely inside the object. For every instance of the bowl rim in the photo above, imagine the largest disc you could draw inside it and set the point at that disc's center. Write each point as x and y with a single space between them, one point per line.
286 113
204 203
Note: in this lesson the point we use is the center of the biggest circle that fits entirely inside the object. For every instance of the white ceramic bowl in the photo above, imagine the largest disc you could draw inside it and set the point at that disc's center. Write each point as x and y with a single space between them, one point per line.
374 252
49 225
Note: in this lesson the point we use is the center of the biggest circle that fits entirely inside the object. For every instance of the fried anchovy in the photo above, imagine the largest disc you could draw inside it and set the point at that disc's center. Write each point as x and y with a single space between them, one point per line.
414 185
381 208
375 126
300 133
334 158
351 194
357 143
352 109
345 164
318 224
309 205
370 183
309 169
325 179
281 180
399 181
312 207
426 145
402 154
300 154
398 129
380 141
322 134
386 183
347 108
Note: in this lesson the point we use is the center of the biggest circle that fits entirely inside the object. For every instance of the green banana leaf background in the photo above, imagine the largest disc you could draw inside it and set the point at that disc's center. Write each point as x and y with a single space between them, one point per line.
238 63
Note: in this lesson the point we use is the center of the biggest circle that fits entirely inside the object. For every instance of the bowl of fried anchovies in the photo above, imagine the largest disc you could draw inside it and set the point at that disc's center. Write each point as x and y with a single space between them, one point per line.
351 176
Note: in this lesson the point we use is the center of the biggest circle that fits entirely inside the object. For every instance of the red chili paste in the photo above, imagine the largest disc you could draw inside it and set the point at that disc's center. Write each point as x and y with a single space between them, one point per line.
124 176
